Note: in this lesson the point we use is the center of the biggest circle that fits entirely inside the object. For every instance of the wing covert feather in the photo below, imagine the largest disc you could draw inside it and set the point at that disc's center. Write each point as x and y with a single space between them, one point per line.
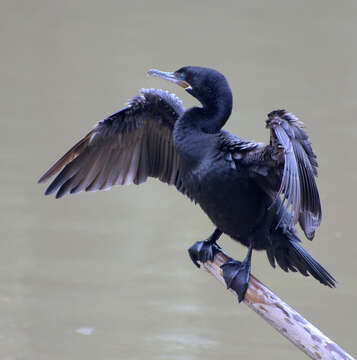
127 147
298 191
285 169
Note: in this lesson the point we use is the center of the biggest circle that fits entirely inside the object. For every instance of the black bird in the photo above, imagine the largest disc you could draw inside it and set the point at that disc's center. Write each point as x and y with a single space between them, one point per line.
253 192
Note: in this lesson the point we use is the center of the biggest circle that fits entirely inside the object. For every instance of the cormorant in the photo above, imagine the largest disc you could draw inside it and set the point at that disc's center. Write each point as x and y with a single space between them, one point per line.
253 192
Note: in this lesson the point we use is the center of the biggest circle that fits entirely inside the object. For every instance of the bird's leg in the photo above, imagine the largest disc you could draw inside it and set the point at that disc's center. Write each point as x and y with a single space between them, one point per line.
205 250
236 274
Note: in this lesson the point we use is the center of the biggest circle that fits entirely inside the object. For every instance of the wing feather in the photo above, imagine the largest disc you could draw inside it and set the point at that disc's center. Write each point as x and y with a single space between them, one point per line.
298 191
285 169
127 147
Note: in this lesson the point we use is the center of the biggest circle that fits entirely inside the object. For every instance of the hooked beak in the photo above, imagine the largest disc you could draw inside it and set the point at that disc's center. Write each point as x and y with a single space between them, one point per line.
170 76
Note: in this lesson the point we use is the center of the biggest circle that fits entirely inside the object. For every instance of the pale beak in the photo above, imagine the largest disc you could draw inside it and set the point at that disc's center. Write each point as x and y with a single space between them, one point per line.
170 76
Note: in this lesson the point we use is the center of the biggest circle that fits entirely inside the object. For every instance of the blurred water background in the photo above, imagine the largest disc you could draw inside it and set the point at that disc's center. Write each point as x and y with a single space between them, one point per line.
106 275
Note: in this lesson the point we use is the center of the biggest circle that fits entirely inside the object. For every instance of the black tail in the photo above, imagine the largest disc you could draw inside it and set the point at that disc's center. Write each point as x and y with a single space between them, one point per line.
291 256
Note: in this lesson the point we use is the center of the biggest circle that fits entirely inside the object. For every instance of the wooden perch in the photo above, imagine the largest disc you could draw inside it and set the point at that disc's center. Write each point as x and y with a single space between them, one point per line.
283 318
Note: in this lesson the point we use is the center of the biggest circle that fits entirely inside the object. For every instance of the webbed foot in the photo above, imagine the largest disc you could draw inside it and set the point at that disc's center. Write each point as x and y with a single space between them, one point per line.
205 250
236 275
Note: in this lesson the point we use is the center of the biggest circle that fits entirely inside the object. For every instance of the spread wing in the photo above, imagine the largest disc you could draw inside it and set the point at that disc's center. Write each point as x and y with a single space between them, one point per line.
298 190
127 147
285 168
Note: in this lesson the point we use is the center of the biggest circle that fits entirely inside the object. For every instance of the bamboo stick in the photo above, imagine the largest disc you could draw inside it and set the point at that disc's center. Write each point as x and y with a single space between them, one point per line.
283 318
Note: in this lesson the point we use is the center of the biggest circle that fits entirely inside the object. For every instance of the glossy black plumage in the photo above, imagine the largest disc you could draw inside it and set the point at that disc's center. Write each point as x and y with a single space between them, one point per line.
253 192
125 148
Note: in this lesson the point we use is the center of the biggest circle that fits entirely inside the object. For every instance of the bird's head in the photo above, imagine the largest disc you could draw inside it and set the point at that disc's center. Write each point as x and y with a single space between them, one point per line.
207 85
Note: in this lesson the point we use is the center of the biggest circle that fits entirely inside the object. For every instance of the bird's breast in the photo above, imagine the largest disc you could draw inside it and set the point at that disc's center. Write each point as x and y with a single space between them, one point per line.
233 202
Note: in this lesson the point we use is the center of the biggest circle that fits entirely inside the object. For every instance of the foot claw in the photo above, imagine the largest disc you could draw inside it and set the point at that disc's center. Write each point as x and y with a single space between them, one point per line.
194 251
236 276
203 251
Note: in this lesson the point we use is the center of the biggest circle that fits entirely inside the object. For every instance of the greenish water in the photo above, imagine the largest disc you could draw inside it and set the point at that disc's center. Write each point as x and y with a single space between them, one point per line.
106 275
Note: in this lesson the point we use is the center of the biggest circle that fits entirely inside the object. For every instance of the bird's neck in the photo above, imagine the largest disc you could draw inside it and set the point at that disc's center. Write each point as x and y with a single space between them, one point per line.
213 118
213 114
193 131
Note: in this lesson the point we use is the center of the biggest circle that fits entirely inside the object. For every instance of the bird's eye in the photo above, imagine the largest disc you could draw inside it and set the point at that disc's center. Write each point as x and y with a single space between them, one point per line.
181 76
